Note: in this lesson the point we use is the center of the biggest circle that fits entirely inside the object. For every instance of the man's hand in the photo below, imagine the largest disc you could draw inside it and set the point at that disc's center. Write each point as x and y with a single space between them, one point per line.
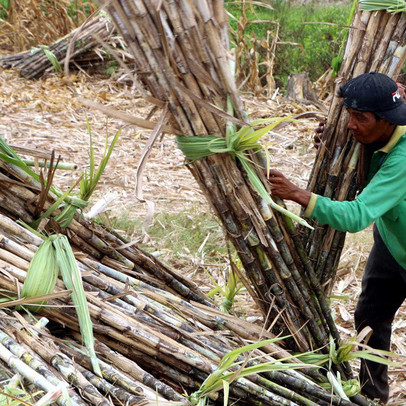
318 134
285 189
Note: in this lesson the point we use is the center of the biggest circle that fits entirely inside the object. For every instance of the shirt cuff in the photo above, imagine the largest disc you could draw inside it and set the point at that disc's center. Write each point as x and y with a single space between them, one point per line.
310 207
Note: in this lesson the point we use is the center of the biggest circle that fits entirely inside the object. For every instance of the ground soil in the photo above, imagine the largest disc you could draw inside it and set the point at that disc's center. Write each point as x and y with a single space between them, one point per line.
48 114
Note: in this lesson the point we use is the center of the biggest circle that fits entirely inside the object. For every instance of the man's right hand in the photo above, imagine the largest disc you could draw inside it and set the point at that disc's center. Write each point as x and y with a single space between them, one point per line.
282 187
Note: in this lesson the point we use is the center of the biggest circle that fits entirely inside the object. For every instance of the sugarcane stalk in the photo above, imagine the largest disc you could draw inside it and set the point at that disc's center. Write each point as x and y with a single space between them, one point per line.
234 201
282 391
32 376
13 259
180 375
67 369
128 366
179 87
127 382
387 34
15 248
369 36
97 247
32 64
33 362
150 306
59 165
11 205
291 379
150 311
170 372
108 389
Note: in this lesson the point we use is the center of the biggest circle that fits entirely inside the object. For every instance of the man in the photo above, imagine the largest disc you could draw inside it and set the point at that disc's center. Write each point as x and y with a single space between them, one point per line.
377 116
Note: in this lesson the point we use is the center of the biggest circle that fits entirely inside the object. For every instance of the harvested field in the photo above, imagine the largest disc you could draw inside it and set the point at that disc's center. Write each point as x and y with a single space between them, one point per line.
48 114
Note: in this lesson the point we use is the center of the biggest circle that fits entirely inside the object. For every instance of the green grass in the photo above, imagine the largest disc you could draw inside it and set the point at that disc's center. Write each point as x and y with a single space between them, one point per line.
178 237
318 43
78 10
4 7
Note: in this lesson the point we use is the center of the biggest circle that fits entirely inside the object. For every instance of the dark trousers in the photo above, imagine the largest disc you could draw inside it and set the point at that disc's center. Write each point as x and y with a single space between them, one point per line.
383 292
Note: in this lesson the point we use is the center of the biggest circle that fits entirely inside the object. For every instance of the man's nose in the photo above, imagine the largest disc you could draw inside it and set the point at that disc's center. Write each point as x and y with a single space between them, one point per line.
352 124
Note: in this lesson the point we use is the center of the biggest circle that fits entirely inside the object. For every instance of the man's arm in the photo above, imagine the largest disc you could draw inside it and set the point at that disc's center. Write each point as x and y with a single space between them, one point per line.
384 193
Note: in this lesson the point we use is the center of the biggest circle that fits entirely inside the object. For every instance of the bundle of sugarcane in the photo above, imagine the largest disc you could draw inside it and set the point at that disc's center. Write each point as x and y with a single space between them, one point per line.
26 199
376 42
180 49
74 47
146 338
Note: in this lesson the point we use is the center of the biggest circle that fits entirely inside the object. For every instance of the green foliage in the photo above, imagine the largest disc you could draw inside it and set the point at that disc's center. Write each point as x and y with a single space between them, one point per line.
78 10
344 389
232 286
236 143
4 7
347 351
393 6
50 55
88 181
15 396
72 279
111 67
309 38
229 369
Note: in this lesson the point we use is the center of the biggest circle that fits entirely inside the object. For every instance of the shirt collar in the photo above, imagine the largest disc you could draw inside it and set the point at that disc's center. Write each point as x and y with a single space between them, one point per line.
397 134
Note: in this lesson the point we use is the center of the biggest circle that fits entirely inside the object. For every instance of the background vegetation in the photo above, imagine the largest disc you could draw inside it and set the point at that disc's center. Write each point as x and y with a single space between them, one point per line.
310 33
307 34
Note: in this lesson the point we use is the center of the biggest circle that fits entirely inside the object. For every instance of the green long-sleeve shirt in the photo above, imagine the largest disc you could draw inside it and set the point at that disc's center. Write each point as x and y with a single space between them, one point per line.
383 200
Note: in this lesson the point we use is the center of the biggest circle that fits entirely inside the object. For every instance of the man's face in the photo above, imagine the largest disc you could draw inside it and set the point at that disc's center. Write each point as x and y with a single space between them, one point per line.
367 128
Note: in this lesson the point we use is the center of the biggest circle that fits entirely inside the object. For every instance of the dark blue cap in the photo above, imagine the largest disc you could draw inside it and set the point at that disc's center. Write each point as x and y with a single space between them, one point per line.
377 93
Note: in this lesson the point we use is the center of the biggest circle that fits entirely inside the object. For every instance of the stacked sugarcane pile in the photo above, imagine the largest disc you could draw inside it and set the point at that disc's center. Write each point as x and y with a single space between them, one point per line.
153 359
77 47
30 353
24 198
180 49
375 43
147 339
154 330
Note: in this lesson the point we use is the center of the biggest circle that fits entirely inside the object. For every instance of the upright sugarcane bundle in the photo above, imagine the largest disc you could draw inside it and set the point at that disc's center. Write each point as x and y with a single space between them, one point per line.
180 48
376 42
